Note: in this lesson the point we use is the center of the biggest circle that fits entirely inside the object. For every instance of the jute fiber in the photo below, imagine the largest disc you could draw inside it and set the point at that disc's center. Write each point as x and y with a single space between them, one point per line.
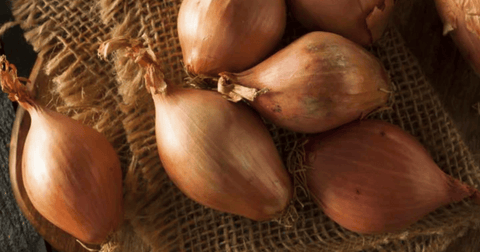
112 98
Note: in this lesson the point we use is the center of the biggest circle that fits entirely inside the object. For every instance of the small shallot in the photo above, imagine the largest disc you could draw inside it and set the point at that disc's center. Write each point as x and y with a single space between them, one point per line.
372 177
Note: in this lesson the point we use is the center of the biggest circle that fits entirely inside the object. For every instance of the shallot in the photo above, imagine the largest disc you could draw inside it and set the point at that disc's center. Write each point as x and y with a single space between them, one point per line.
218 153
71 172
318 82
372 177
229 35
361 21
461 20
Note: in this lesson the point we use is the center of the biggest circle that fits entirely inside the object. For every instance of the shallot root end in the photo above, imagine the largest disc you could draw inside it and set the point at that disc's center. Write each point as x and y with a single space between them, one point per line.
288 217
199 81
298 168
387 107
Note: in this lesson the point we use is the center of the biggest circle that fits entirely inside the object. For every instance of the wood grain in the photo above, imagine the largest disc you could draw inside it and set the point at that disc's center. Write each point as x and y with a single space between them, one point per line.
59 239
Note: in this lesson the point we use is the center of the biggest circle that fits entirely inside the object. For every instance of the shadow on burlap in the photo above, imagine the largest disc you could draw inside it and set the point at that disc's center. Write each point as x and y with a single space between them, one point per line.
112 98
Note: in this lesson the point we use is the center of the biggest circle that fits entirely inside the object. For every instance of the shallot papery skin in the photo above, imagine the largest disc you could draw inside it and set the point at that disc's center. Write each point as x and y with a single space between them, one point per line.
372 177
362 21
318 82
219 154
229 35
461 19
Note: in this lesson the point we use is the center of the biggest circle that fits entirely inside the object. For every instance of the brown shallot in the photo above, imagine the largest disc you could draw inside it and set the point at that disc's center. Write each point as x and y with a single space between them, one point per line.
218 153
317 83
229 35
361 21
71 172
372 177
461 19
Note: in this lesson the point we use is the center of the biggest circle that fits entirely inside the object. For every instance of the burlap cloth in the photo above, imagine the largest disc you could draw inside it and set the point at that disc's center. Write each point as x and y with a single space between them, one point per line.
110 96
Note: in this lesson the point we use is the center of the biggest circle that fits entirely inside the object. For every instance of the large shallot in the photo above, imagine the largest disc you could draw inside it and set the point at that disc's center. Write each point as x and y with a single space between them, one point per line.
71 172
218 153
371 177
229 35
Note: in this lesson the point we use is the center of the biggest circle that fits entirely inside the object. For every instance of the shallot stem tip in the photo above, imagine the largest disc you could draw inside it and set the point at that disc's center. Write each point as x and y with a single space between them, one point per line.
235 92
145 57
133 48
155 81
12 84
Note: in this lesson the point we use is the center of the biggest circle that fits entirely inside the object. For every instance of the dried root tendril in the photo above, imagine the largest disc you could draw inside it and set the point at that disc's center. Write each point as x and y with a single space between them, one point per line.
387 107
298 169
145 57
200 81
289 216
236 92
13 86
85 246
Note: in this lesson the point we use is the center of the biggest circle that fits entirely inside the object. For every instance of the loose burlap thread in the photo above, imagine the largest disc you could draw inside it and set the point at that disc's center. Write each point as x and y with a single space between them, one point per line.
112 98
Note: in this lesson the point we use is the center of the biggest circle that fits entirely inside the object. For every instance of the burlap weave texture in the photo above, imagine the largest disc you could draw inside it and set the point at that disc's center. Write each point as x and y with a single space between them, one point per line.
112 98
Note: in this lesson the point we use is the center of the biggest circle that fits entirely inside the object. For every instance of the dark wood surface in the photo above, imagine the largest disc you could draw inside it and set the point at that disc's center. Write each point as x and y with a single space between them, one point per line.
456 83
60 240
